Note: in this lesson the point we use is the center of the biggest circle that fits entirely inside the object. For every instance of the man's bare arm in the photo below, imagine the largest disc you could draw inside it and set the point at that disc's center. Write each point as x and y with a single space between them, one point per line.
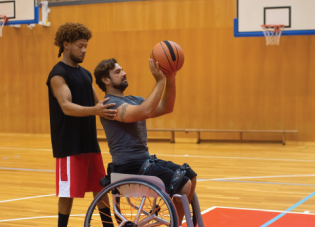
95 96
62 93
133 113
168 101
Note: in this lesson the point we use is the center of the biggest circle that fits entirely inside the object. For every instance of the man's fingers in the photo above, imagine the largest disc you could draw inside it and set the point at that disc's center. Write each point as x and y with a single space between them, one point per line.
109 118
104 100
109 111
151 64
109 105
110 115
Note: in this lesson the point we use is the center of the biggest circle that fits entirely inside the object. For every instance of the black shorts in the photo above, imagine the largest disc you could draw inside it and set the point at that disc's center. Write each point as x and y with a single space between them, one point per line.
161 169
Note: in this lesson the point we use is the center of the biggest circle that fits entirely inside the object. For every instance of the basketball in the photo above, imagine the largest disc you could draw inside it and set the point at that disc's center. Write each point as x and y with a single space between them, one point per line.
169 55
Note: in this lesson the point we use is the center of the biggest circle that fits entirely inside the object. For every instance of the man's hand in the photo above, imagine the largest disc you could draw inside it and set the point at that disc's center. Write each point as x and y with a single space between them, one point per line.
102 111
156 71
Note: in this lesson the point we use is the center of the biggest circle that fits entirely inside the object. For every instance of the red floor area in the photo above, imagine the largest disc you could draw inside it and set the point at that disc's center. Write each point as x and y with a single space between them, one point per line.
229 217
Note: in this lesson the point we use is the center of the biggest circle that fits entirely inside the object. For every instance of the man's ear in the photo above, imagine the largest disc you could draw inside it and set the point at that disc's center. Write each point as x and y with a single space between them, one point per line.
66 45
106 80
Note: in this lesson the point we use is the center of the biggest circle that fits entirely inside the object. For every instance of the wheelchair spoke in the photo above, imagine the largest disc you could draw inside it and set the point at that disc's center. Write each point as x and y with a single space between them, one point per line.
140 210
134 202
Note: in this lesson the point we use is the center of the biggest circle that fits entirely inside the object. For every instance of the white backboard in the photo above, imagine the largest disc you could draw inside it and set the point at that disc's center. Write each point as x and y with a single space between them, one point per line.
20 11
298 16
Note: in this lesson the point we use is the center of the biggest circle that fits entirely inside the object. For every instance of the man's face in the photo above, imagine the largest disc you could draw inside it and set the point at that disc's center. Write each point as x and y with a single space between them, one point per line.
118 78
78 50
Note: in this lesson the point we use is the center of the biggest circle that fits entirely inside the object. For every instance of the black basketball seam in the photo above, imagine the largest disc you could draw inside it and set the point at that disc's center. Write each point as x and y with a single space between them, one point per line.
153 57
167 57
177 56
170 48
159 64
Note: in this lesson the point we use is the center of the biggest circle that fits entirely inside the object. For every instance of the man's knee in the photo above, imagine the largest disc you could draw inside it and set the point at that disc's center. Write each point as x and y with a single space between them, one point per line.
185 190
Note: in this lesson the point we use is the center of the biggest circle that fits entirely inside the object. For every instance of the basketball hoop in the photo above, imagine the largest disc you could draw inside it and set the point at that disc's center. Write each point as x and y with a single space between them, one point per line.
272 33
3 20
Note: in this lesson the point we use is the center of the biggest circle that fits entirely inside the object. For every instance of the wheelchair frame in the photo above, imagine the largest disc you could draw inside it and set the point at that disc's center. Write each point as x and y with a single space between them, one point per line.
145 186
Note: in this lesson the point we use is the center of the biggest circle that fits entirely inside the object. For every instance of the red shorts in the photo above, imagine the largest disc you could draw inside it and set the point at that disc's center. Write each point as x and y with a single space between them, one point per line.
78 174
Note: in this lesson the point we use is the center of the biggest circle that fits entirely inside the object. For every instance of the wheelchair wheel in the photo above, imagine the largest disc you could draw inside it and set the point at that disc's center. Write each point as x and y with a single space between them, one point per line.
133 203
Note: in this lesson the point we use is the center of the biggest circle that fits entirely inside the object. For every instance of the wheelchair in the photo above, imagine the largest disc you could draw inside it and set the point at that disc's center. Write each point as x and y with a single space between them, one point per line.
141 200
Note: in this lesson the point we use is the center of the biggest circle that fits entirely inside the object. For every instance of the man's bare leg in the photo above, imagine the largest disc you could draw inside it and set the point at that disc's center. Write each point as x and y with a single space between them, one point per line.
192 189
64 209
105 200
177 202
65 205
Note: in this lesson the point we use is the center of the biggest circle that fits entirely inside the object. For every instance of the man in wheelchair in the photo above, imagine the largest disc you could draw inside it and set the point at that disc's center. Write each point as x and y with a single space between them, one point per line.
127 133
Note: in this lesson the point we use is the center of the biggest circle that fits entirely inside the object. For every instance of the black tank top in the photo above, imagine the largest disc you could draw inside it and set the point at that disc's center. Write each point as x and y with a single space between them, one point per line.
72 135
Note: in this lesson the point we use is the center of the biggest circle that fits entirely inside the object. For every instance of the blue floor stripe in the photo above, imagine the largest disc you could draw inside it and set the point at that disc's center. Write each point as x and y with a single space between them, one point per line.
287 210
265 182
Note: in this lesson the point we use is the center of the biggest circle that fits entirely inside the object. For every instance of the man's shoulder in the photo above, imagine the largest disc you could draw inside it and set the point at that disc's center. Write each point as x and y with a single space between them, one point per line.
85 70
58 69
130 99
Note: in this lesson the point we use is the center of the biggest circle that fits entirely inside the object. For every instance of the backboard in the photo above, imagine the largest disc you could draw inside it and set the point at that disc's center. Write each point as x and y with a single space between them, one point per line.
296 15
20 11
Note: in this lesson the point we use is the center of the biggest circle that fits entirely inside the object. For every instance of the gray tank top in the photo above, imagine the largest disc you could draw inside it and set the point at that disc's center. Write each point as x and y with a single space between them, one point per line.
126 141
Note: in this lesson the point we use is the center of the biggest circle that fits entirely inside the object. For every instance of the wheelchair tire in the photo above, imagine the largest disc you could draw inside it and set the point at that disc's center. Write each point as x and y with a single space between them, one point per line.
136 205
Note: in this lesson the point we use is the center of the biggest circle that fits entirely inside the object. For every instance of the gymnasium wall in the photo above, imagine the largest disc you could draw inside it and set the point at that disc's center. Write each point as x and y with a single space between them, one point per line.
225 83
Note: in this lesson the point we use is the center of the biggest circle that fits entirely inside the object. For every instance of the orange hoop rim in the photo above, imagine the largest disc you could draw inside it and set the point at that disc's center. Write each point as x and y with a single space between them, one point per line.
275 26
5 18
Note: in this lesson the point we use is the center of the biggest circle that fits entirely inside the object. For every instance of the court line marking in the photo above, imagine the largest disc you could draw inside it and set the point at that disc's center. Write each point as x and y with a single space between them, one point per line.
54 216
39 196
205 211
278 211
289 209
242 158
216 179
23 148
265 182
192 156
37 170
258 177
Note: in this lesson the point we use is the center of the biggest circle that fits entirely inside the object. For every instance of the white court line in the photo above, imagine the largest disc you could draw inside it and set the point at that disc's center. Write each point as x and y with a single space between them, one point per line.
39 196
244 158
235 178
207 210
278 211
190 156
54 216
23 148
37 170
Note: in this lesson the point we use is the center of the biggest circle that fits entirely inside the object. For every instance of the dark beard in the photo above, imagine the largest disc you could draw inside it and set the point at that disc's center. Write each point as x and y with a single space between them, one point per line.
122 86
75 59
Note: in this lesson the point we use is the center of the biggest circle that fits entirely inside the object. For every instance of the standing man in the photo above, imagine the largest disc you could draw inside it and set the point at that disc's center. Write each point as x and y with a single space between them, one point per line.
127 135
72 106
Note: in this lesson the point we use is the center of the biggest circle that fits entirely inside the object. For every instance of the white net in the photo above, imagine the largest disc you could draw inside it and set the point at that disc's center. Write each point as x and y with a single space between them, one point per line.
3 20
272 33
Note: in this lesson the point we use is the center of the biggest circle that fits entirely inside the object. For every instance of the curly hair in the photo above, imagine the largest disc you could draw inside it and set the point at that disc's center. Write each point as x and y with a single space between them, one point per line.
71 32
102 70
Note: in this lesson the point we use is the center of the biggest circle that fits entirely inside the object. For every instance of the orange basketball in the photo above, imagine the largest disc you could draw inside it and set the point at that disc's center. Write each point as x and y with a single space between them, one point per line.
169 55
